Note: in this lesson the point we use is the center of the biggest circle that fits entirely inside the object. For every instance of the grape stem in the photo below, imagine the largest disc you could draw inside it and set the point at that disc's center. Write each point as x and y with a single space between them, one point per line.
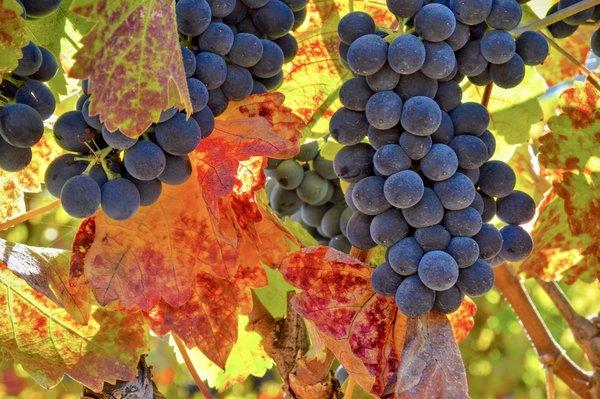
42 210
550 353
487 95
360 254
556 16
190 366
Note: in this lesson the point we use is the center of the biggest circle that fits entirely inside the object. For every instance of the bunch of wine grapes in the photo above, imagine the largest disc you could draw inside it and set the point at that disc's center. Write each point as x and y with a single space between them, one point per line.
568 26
307 189
230 50
425 186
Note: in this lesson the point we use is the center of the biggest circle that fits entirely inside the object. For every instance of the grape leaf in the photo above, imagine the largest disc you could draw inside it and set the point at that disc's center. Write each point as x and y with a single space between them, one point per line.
14 185
133 61
463 319
364 330
431 366
312 80
48 343
13 35
567 228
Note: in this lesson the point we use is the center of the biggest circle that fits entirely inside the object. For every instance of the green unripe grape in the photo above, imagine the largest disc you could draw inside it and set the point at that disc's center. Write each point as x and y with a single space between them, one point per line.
338 194
289 174
313 188
344 217
312 215
341 243
284 202
328 195
308 151
272 163
330 224
324 168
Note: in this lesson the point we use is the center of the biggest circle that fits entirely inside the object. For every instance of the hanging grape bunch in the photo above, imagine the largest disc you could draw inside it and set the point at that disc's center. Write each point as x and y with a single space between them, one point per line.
25 101
230 50
424 186
307 189
568 26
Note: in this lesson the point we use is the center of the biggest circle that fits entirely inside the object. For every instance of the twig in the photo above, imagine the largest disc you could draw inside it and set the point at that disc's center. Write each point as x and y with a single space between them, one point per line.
556 16
42 210
190 366
487 95
550 386
582 68
548 350
349 388
584 331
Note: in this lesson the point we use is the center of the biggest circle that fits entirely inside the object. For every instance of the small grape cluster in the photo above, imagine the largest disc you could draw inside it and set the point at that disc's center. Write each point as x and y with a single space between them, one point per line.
226 56
424 186
568 26
307 189
27 103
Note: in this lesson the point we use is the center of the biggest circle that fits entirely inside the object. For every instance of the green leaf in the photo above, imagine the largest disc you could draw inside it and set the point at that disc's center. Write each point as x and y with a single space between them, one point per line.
247 357
274 295
13 35
133 61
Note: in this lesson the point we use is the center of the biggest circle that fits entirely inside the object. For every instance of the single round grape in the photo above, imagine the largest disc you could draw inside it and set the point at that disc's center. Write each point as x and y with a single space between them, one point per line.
489 241
60 170
477 200
460 37
516 243
384 79
178 168
455 193
445 132
385 281
348 198
324 167
413 298
120 199
404 189
440 163
432 238
477 279
509 74
343 51
470 60
358 232
489 207
367 54
38 96
149 190
189 61
388 227
348 127
193 16
308 151
341 243
205 120
93 121
210 69
448 95
464 250
20 125
117 139
483 79
80 196
496 179
313 188
560 29
72 133
354 163
391 159
470 118
258 87
246 50
533 48
470 150
497 46
516 208
355 93
416 84
198 94
330 224
404 8
440 60
427 212
284 202
167 114
145 160
448 301
472 174
471 12
274 19
434 22
378 138
13 159
384 109
354 25
438 270
464 222
216 38
406 54
30 62
368 196
178 135
416 147
217 101
404 256
505 14
312 215
273 82
421 116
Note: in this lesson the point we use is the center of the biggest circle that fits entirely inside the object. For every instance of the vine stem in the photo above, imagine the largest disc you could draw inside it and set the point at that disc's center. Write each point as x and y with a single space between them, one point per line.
550 353
190 366
550 386
487 94
42 210
360 254
556 16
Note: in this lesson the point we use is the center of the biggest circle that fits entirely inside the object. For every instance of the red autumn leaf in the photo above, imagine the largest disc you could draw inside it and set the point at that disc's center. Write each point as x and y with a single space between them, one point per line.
133 62
462 320
364 330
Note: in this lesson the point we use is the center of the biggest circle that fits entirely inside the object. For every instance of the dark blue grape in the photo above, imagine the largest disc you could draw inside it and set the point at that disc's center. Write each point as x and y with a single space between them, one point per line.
93 121
120 199
358 231
516 208
438 270
448 301
465 222
388 227
354 25
434 22
404 8
379 138
413 298
470 150
448 95
384 109
178 135
31 61
145 160
432 238
60 170
406 54
117 139
221 8
177 169
237 15
470 118
505 14
384 79
440 60
354 163
497 46
440 163
404 189
39 8
193 16
13 159
578 18
509 74
476 280
72 133
238 83
274 19
391 159
217 38
149 190
464 250
416 147
385 281
459 37
560 29
270 62
471 12
421 116
489 241
404 256
416 84
427 212
80 196
273 82
496 179
516 243
20 125
348 127
210 70
469 59
355 93
489 207
367 54
445 132
49 66
532 47
368 196
205 120
246 50
189 61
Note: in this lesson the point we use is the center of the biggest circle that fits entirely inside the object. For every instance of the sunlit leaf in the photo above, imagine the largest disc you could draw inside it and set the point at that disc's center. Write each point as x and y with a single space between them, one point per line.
13 35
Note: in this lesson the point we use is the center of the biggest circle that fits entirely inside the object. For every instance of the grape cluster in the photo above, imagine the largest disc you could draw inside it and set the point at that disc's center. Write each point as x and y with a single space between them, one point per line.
27 102
230 50
307 189
425 186
568 26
